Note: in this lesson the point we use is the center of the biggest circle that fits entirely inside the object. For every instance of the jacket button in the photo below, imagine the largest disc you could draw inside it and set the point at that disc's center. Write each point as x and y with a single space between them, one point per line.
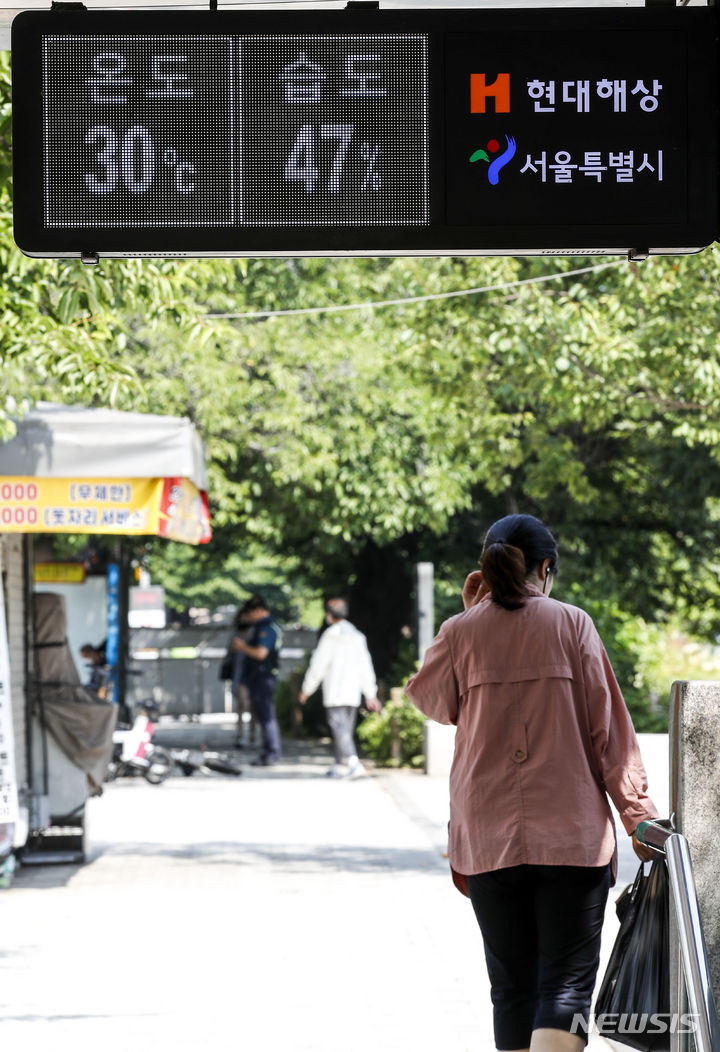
519 754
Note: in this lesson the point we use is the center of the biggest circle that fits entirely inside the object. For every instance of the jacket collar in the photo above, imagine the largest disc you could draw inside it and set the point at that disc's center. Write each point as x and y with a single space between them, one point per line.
534 590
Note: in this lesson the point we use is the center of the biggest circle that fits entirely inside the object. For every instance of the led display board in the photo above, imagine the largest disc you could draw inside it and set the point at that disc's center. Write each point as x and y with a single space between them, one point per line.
364 132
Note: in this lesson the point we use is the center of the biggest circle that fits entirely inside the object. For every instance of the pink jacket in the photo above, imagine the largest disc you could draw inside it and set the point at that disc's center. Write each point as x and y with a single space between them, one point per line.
543 734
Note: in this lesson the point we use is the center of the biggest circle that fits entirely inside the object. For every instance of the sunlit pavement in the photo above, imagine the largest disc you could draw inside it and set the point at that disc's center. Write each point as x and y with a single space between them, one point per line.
279 910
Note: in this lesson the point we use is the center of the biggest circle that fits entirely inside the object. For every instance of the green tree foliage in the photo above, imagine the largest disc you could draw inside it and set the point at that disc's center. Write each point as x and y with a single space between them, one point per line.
355 444
395 736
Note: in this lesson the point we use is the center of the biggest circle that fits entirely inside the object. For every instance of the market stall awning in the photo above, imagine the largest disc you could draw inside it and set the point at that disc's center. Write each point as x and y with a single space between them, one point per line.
101 471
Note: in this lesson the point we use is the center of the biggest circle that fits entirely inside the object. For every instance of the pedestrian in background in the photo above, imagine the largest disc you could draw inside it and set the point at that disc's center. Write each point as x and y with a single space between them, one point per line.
543 735
342 663
260 674
242 629
97 660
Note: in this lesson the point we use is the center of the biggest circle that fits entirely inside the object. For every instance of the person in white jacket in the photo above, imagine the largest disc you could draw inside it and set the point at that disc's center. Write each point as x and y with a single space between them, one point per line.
342 663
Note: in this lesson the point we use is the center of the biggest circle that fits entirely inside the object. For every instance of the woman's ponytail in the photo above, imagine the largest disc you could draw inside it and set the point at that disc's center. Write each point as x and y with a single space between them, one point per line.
515 547
503 570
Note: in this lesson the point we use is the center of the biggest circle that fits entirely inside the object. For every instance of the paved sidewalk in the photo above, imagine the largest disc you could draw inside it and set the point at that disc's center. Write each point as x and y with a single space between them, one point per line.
277 911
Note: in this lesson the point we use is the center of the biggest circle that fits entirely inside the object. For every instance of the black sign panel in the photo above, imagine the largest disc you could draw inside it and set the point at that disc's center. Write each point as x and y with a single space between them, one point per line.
599 139
212 133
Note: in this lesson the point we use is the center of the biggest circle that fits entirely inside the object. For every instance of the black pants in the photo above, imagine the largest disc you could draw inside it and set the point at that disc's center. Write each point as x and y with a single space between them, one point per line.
541 926
262 694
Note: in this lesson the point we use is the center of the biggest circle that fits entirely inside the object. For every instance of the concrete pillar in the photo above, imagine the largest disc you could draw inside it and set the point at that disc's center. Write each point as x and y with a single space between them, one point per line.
439 748
695 800
425 607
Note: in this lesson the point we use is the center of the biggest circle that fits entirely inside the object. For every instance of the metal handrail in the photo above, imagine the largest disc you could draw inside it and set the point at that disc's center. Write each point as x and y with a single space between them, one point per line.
691 941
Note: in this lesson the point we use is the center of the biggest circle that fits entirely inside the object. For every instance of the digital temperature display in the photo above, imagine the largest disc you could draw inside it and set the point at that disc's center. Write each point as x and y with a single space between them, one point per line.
235 131
364 132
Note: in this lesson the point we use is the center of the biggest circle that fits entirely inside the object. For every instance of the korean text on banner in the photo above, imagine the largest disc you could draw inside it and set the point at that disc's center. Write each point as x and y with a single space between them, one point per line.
172 508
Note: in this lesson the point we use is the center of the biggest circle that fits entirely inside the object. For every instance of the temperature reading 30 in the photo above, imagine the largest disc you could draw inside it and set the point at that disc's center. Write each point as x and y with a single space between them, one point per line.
129 160
310 150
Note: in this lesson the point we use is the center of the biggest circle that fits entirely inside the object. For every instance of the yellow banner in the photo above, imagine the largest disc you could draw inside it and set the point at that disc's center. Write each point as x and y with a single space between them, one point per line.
63 573
172 508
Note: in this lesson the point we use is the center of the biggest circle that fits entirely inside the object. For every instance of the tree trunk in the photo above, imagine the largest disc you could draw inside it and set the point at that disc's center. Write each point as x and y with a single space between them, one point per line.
382 601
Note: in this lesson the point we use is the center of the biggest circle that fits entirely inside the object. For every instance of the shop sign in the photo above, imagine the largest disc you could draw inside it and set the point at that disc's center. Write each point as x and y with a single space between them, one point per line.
147 607
172 508
59 573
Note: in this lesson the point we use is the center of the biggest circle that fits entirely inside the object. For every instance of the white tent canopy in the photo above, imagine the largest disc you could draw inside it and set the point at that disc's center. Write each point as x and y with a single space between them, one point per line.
55 441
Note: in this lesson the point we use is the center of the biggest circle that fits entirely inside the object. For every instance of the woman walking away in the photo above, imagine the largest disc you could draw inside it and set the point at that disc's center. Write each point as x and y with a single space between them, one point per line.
543 735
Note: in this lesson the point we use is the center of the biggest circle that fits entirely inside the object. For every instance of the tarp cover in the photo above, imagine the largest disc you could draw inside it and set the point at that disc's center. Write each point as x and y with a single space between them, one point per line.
55 441
79 721
99 471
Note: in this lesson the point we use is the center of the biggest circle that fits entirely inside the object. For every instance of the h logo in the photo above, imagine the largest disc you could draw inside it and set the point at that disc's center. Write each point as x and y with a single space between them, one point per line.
499 91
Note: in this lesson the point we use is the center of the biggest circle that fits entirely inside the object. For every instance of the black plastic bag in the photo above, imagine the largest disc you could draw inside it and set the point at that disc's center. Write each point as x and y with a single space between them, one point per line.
633 1003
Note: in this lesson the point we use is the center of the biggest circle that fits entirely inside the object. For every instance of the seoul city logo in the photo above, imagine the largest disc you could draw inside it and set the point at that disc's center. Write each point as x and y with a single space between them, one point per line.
495 166
499 91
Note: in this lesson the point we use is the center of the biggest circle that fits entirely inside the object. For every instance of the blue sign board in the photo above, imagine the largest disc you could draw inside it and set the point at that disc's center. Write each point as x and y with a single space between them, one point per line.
113 615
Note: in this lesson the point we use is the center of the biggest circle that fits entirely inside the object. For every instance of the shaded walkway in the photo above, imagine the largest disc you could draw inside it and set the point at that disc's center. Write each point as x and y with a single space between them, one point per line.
280 910
276 911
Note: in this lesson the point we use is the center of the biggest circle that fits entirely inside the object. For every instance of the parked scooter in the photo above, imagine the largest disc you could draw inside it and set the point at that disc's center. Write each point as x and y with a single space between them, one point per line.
191 760
134 753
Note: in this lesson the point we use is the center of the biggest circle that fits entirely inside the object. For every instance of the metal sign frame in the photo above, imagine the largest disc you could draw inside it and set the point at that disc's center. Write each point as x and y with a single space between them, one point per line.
526 216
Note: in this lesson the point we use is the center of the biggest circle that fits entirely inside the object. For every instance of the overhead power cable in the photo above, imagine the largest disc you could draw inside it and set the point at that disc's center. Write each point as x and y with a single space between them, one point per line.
334 308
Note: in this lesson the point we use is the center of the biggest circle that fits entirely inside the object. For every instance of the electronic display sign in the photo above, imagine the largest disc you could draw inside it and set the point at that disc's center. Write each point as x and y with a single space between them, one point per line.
364 132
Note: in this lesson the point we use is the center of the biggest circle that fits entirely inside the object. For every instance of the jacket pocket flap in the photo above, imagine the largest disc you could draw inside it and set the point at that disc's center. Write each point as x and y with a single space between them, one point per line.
476 677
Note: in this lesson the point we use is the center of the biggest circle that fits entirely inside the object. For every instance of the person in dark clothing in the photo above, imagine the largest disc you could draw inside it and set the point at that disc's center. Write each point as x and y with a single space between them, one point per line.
243 629
260 675
96 659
